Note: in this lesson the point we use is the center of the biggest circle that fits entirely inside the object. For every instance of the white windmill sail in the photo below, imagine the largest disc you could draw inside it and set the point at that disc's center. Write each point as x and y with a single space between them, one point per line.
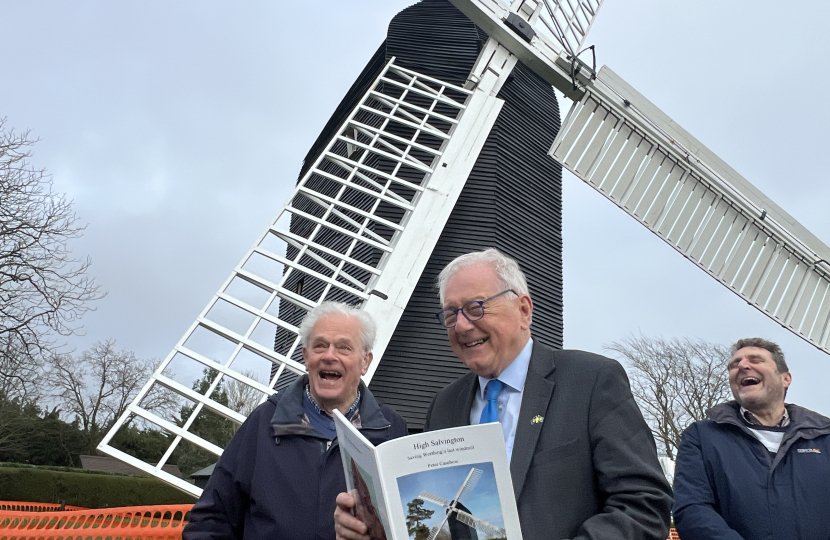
479 524
567 22
537 42
433 532
615 140
467 487
623 146
469 484
440 501
344 207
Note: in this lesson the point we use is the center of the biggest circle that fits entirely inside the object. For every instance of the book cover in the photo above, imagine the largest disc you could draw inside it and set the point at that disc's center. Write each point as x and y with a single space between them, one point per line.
450 484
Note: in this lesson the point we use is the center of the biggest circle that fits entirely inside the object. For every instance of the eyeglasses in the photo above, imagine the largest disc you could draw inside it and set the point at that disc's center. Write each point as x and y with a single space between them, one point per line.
472 310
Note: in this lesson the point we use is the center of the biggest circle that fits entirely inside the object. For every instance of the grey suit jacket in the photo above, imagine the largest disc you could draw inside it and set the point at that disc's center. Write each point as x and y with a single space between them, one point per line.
589 469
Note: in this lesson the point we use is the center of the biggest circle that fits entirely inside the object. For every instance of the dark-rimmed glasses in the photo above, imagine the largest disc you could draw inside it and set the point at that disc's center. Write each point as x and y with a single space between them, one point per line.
472 310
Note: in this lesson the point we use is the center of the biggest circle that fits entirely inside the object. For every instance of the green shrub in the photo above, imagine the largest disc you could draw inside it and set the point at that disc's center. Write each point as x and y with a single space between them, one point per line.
35 484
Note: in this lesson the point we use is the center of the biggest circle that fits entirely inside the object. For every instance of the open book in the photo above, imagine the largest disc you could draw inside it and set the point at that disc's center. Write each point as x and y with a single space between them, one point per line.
440 485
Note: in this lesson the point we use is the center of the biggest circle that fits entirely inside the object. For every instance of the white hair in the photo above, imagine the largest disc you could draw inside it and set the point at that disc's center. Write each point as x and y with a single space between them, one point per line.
368 330
509 274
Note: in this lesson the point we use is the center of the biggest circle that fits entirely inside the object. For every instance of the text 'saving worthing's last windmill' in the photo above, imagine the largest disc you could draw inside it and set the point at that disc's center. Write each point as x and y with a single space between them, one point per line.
443 145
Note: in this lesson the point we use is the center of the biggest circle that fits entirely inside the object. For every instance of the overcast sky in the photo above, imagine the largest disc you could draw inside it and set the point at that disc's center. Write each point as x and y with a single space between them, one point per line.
178 129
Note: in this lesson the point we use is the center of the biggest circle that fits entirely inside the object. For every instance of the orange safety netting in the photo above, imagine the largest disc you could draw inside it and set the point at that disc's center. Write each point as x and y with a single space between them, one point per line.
161 522
18 506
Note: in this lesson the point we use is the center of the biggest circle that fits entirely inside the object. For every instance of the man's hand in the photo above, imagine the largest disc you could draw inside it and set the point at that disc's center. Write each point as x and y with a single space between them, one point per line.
346 526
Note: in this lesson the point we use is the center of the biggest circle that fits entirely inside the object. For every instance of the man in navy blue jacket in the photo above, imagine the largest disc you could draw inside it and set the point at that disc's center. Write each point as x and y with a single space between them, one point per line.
279 476
757 468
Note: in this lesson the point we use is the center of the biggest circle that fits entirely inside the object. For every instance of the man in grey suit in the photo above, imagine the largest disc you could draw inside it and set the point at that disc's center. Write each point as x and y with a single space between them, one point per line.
583 460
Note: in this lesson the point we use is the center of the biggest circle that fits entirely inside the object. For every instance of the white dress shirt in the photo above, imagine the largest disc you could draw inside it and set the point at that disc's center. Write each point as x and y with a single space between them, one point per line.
510 398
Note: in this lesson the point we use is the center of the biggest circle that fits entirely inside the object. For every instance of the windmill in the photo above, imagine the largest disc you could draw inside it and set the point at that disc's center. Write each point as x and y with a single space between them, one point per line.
622 145
452 509
407 153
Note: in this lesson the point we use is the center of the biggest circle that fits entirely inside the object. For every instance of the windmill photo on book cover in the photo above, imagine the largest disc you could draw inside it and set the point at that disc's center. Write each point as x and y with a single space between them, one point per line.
452 503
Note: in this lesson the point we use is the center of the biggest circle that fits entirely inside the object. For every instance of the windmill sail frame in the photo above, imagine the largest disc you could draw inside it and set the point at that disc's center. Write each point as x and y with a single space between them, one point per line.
348 208
619 143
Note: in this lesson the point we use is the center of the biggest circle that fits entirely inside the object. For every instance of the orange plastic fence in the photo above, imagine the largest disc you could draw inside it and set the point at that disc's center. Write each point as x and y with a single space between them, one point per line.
18 506
162 522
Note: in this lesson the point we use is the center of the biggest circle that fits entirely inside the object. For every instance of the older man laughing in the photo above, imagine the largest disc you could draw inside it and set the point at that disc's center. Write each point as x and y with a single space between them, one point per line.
280 474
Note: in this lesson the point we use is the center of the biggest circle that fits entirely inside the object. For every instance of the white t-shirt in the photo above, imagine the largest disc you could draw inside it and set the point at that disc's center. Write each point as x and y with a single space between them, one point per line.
770 439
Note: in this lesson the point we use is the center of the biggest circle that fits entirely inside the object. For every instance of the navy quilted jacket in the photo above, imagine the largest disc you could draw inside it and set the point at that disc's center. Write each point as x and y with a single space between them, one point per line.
278 478
728 486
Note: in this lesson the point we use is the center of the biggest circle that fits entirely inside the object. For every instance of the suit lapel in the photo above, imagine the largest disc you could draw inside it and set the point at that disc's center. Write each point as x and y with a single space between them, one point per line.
465 405
535 399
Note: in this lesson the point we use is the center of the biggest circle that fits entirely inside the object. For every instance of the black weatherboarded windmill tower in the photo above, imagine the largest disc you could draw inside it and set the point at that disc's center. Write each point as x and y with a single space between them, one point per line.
449 141
512 200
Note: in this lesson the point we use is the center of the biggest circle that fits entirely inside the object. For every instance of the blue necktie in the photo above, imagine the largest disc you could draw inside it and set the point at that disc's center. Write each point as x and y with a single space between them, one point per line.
491 409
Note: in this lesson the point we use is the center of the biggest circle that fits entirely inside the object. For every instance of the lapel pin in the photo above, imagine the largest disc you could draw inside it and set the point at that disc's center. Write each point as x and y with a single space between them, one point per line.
537 419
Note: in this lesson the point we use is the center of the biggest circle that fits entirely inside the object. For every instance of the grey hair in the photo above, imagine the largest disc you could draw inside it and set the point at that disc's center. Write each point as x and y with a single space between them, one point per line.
509 274
368 329
773 348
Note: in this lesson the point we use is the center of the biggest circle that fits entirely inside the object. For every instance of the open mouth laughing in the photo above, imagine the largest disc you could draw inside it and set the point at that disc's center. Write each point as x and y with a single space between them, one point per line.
750 381
475 343
328 375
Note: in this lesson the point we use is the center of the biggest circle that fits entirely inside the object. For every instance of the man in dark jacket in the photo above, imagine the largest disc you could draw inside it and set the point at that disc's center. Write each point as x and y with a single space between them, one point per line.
757 468
582 459
279 476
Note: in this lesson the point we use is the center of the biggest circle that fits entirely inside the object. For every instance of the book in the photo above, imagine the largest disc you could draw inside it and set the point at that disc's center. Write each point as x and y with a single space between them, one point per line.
440 485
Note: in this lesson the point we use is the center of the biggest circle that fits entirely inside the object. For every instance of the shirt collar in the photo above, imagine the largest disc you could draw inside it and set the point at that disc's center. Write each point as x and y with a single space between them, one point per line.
513 375
322 411
750 418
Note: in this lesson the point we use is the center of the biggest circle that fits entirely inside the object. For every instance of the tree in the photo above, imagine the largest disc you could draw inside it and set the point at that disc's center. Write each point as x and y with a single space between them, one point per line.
208 425
415 518
54 442
20 374
147 444
241 397
13 425
98 386
38 437
44 290
674 382
19 390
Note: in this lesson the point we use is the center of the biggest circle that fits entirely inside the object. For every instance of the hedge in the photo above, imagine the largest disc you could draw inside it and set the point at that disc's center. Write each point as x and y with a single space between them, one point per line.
79 488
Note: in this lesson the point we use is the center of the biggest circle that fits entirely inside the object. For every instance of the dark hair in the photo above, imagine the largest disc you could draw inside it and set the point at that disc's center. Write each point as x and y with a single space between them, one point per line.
773 348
